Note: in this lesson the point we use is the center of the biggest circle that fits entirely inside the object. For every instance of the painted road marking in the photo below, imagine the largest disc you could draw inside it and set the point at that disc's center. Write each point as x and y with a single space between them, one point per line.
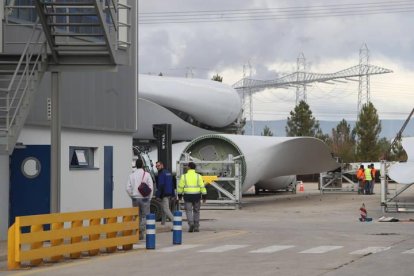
411 251
272 249
321 249
135 246
369 250
224 248
176 248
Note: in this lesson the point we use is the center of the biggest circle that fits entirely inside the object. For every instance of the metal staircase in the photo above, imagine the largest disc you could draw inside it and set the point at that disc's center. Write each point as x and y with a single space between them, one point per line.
80 32
67 35
19 77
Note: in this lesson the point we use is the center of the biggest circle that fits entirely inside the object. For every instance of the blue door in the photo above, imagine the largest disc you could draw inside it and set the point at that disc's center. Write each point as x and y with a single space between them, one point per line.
108 177
29 181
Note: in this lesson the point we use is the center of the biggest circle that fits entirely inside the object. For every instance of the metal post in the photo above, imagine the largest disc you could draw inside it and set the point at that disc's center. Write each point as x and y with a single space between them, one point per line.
177 227
237 192
55 145
383 179
150 231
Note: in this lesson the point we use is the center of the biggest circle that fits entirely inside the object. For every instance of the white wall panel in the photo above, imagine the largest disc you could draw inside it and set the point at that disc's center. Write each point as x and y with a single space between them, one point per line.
83 189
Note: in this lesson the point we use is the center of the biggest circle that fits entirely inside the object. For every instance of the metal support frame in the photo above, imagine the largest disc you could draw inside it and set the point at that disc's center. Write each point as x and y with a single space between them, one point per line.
228 198
55 145
333 182
392 202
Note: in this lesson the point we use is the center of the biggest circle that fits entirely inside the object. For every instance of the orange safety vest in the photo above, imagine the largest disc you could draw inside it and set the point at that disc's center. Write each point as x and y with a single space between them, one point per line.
360 174
373 173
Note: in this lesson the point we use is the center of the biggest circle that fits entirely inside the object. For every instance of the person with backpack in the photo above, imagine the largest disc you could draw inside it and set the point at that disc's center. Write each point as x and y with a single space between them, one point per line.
140 189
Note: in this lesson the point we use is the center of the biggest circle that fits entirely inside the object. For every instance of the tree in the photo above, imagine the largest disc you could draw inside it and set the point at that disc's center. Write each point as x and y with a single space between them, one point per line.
367 129
395 152
160 74
343 142
398 153
217 77
266 131
301 122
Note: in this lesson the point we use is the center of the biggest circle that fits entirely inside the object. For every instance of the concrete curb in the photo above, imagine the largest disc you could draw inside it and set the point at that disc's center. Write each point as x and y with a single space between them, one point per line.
3 251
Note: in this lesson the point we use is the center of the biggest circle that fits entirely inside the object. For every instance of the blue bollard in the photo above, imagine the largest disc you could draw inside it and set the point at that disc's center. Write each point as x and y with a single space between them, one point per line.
150 231
177 227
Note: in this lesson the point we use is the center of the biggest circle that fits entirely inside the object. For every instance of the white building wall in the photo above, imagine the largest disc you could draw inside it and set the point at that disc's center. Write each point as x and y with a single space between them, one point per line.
84 189
4 196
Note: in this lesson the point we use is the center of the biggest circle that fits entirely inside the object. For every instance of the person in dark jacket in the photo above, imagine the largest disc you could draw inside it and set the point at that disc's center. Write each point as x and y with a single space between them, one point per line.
165 189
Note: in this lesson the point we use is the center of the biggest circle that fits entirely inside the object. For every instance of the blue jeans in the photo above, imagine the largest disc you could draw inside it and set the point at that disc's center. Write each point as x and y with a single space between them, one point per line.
368 187
144 209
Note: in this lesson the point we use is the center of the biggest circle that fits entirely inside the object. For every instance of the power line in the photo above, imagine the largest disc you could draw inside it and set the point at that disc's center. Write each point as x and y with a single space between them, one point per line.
282 13
280 9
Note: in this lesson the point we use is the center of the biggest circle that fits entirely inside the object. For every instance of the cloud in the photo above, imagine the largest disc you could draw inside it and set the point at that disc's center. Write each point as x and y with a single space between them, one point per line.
329 43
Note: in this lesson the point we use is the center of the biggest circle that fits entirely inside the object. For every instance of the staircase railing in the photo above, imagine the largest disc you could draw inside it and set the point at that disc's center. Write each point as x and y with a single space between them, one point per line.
119 13
23 82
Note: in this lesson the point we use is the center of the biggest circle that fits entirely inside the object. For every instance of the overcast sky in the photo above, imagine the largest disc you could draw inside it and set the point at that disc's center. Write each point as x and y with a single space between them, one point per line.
200 38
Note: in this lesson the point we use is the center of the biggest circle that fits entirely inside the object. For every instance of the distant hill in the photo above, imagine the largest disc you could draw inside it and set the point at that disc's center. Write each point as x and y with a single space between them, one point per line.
389 127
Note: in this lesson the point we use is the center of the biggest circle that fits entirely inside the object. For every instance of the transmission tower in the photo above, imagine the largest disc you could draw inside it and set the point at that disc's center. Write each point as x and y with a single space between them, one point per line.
247 74
301 77
363 89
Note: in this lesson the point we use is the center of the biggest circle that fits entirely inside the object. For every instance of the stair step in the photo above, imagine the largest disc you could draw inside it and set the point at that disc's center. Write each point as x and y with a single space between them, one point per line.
71 14
81 49
63 4
75 35
76 44
74 24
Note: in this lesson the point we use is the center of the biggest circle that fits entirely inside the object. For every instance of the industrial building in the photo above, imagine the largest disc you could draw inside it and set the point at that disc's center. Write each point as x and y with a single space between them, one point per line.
67 105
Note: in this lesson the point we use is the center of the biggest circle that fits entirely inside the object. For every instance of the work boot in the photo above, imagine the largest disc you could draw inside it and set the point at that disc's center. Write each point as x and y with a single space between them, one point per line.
191 229
196 229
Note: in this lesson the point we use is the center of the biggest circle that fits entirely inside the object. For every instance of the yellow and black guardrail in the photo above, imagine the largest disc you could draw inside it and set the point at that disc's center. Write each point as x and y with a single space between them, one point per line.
71 235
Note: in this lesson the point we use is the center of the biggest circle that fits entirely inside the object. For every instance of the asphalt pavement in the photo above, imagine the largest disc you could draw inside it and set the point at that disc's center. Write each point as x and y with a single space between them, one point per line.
307 233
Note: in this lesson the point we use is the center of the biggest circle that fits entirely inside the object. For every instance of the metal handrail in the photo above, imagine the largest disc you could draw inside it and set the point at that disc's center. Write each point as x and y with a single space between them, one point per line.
114 7
14 99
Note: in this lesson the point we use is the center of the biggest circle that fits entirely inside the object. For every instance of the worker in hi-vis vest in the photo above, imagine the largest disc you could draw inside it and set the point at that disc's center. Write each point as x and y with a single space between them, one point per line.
361 179
368 180
192 187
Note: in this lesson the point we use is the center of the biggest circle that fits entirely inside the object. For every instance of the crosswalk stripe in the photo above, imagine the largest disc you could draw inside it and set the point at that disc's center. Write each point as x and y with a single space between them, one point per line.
178 247
272 249
223 248
411 251
321 249
369 250
135 246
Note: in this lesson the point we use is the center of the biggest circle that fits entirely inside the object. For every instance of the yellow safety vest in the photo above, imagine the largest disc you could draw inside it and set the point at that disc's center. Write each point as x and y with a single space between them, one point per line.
368 175
191 183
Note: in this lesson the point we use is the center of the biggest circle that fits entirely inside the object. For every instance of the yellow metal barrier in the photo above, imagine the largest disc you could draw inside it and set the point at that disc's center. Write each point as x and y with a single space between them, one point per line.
209 178
71 234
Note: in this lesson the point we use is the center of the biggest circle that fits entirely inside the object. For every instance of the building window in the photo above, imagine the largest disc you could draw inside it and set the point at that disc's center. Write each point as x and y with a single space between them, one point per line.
82 158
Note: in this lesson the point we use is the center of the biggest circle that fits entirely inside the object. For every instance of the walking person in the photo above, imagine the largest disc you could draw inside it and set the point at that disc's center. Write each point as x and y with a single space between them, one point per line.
191 186
165 190
361 179
368 180
138 200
